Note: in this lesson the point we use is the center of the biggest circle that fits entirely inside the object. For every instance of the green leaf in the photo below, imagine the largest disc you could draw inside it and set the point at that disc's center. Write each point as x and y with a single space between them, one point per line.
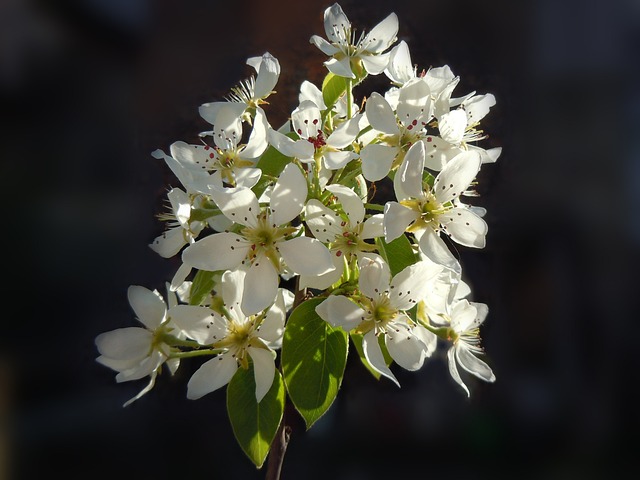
333 87
356 338
398 254
202 285
272 162
314 356
254 424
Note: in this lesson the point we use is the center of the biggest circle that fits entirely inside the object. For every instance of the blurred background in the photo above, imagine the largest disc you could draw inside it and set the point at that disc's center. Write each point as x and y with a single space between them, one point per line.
90 87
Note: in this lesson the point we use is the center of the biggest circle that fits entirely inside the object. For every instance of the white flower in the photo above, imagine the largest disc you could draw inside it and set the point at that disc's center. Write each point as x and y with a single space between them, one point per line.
265 240
312 146
251 93
398 130
345 234
466 318
347 53
181 230
136 352
238 335
425 210
382 310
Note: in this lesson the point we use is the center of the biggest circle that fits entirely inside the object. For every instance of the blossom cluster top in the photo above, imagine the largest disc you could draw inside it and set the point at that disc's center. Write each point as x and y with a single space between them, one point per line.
269 220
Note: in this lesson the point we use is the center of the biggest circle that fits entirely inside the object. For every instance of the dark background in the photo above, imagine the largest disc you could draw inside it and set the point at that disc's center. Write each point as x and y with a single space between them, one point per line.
90 87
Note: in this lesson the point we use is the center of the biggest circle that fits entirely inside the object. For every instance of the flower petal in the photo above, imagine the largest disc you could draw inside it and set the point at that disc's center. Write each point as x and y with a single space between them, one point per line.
211 375
260 286
324 281
220 251
346 133
148 306
144 391
409 175
382 35
169 243
306 256
477 107
373 227
336 23
323 45
414 104
438 152
239 205
374 276
339 311
373 354
351 202
323 222
272 327
473 364
397 219
453 370
452 126
198 323
130 344
405 348
376 161
380 114
375 64
412 284
264 369
400 68
465 227
268 73
301 149
434 248
257 143
341 68
308 91
288 196
456 176
334 160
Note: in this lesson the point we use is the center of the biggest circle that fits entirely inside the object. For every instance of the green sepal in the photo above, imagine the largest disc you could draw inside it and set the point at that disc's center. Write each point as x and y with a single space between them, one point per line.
202 285
254 424
399 254
314 356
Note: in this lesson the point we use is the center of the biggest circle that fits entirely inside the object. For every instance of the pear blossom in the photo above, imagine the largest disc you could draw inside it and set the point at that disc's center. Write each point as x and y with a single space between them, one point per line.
466 318
350 55
180 229
398 129
249 94
382 310
238 336
426 211
264 241
345 234
312 146
138 352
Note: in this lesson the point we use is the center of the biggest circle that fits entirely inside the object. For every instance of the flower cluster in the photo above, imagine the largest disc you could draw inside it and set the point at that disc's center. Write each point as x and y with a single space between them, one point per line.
267 221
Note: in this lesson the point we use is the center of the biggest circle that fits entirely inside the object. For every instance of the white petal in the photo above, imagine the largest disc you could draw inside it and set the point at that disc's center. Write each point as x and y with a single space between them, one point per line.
272 327
288 196
232 289
346 133
453 370
412 284
209 111
169 243
308 91
452 126
434 248
374 276
376 161
264 369
351 202
375 64
481 315
148 306
306 120
429 339
212 375
336 23
341 68
324 281
438 78
128 344
478 106
380 114
180 276
301 149
198 323
373 227
260 286
373 354
382 35
147 366
473 364
400 68
180 205
414 104
323 45
397 219
463 315
339 311
239 205
438 152
456 176
322 221
227 131
194 157
465 227
409 175
257 143
220 251
335 160
405 348
144 391
267 77
306 256
246 177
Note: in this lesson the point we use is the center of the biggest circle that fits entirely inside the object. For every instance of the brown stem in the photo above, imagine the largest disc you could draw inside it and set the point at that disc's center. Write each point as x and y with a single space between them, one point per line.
283 435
